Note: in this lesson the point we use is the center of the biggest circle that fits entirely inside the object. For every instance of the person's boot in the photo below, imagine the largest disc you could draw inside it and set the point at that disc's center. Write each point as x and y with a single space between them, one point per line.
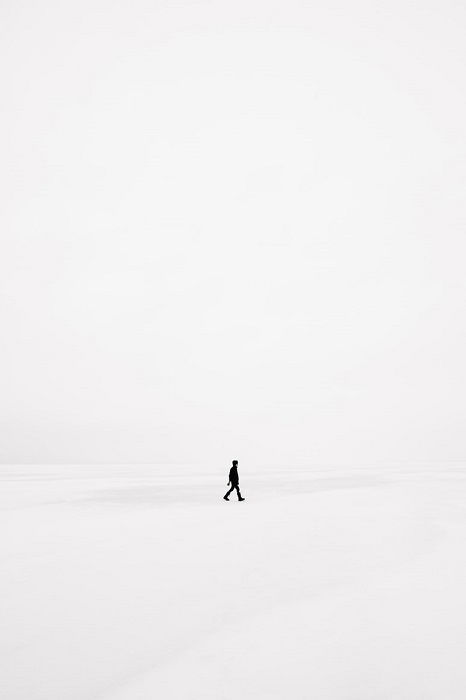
225 498
240 498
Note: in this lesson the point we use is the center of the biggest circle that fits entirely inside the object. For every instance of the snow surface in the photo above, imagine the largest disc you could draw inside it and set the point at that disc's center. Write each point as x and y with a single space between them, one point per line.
139 582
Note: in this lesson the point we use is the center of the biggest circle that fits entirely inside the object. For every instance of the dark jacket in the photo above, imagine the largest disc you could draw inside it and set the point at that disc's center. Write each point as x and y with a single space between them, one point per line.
234 479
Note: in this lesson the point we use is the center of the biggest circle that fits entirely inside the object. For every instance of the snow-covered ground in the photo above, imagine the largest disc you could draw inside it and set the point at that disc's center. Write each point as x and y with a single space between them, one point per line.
140 583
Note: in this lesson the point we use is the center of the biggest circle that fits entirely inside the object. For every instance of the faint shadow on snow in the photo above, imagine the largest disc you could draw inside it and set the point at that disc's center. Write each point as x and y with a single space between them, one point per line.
205 491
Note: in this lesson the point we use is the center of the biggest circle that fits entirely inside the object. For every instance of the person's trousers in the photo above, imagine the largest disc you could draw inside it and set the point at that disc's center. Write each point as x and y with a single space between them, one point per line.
233 487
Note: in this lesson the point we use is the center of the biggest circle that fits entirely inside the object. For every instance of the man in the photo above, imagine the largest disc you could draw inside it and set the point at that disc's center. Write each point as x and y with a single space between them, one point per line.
234 481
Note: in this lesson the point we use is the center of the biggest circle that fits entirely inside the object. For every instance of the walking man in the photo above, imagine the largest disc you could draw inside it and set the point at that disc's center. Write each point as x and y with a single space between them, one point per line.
234 481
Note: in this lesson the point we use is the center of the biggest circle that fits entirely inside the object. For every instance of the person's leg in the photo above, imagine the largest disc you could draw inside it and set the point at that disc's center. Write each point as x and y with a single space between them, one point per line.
240 498
228 493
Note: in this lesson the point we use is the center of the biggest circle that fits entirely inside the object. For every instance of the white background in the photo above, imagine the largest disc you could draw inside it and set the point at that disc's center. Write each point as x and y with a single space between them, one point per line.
232 229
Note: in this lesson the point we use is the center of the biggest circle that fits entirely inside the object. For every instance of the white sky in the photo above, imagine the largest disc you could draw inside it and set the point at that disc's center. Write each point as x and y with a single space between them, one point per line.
233 230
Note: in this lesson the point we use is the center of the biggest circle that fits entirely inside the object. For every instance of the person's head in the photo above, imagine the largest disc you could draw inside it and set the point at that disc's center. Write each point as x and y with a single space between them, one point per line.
235 462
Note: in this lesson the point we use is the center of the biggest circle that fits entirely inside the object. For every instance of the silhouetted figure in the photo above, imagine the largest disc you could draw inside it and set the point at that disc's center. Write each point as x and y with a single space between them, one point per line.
234 481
